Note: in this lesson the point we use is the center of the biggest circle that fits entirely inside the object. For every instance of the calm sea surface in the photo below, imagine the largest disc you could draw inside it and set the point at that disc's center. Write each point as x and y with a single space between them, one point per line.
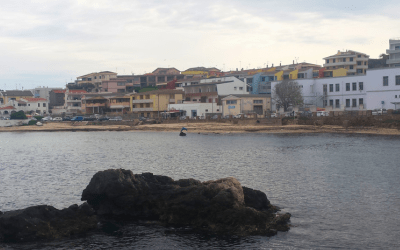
343 191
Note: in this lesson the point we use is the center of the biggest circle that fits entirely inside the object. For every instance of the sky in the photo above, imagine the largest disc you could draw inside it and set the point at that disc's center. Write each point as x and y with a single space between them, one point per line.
50 43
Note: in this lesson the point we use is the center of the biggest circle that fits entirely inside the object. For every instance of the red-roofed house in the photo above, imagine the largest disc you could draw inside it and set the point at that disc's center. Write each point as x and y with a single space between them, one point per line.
6 111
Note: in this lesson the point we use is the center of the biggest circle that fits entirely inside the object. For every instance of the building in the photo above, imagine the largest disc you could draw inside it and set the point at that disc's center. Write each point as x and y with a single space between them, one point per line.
378 88
6 111
354 62
151 103
73 100
56 98
31 105
194 110
119 104
114 85
8 95
394 53
383 88
246 104
96 79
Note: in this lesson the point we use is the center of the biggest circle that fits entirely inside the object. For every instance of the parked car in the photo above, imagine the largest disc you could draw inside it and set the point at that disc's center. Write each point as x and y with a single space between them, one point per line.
67 118
322 113
77 118
182 118
117 118
379 112
306 114
226 117
47 118
58 119
105 118
214 117
274 115
240 115
89 118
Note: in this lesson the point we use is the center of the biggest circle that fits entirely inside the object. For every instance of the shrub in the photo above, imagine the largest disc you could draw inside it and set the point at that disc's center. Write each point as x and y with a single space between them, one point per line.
38 117
32 122
18 116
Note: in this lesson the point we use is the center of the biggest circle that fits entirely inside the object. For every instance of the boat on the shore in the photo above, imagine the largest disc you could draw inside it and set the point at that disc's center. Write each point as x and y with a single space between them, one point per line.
39 124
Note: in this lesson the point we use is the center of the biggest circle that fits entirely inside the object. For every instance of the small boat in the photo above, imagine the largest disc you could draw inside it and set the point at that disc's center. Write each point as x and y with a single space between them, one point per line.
39 124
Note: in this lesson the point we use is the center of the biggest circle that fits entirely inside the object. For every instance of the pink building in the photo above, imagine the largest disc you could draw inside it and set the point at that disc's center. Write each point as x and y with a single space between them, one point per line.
114 85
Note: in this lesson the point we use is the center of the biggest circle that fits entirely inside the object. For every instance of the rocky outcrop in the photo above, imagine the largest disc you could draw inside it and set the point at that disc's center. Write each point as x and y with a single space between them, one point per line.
222 206
46 222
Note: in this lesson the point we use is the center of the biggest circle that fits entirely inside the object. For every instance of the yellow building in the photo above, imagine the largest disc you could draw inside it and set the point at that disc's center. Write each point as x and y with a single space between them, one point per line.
152 103
8 95
354 62
246 104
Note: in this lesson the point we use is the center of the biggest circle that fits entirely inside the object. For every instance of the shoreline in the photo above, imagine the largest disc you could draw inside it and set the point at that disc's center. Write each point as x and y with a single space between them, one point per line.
203 128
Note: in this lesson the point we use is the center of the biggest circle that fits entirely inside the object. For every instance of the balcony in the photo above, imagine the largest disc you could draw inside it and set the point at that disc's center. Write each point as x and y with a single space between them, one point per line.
392 51
143 101
392 61
142 109
89 105
339 64
73 101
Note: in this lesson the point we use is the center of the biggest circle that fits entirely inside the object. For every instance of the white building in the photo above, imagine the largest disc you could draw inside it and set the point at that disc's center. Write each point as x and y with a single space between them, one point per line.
394 53
31 105
379 88
197 109
383 88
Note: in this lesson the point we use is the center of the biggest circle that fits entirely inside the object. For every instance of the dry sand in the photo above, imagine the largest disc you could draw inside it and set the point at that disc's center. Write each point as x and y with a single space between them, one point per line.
204 128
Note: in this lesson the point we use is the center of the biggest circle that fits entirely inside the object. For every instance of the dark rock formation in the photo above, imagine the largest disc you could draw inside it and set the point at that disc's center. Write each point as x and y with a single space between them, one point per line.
222 206
46 222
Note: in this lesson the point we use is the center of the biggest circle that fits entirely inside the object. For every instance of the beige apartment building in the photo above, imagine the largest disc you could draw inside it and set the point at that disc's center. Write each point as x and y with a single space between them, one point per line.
246 104
355 62
96 79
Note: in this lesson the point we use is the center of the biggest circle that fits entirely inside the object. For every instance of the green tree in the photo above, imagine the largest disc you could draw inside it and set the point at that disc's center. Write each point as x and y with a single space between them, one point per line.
287 93
18 115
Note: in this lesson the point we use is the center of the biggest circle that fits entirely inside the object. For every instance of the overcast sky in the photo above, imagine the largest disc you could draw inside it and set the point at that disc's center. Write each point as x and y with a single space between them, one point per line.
48 43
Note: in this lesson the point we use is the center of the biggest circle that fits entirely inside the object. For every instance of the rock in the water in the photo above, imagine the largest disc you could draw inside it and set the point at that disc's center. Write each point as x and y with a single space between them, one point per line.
46 222
222 206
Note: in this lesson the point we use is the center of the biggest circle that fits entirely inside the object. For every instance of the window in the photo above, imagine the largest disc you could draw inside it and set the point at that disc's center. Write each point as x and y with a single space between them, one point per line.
334 60
206 110
348 86
263 79
235 88
358 63
331 103
397 80
344 59
385 81
360 71
121 84
351 59
231 102
337 87
44 105
358 56
199 90
361 101
240 88
325 88
354 86
330 87
354 101
195 100
38 104
257 101
337 104
360 86
351 66
325 103
347 102
327 60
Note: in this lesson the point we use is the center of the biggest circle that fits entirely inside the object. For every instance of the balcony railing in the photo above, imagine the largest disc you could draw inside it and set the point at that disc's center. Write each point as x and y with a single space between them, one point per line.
339 64
95 105
391 51
143 101
141 109
391 61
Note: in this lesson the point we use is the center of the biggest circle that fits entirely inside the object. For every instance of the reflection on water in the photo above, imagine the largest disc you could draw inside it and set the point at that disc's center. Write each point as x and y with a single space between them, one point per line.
342 191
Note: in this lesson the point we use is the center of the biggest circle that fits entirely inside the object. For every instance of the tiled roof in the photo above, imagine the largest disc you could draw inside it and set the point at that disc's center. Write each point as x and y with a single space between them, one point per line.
77 91
17 93
8 107
59 91
36 99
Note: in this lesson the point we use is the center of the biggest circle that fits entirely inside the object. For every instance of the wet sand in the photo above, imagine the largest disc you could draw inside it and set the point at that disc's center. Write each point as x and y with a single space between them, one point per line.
204 128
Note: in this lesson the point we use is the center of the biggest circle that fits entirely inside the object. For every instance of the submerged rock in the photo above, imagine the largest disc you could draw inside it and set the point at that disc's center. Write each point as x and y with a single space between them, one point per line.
46 222
222 206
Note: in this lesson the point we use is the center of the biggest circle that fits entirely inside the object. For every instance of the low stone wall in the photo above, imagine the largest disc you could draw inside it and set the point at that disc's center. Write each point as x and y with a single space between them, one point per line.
382 121
10 123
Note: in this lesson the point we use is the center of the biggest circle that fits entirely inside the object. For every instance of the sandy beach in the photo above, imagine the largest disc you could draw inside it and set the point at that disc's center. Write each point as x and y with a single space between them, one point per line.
211 127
